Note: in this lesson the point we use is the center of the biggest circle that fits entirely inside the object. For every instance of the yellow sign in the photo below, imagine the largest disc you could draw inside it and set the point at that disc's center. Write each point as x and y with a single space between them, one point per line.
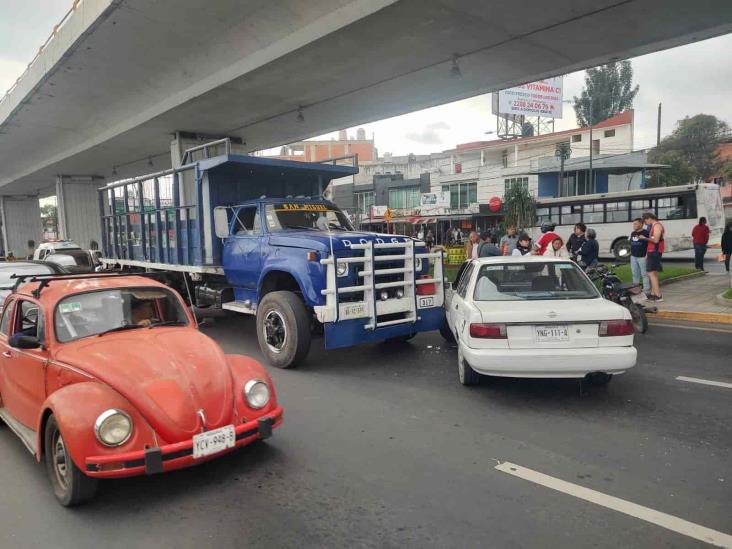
303 208
388 214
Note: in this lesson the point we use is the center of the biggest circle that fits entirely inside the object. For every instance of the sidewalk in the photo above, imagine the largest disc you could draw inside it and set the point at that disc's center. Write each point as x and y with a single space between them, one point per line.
695 299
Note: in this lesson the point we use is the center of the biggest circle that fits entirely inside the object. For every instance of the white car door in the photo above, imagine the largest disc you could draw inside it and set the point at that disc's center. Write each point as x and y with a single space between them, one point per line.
457 309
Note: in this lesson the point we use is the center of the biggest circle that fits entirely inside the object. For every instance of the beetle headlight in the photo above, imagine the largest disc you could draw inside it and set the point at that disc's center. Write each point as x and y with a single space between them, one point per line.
113 427
418 264
256 392
342 269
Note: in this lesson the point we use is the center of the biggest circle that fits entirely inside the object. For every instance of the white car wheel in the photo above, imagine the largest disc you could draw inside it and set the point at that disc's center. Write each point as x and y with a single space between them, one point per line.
466 374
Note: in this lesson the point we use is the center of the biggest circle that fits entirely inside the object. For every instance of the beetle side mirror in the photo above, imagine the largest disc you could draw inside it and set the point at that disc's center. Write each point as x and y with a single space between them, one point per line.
21 341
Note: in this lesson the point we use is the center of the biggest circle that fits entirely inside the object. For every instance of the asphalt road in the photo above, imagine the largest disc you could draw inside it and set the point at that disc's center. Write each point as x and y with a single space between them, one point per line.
382 447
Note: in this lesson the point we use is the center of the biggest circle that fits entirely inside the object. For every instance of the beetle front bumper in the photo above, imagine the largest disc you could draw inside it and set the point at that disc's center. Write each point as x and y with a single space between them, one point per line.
178 455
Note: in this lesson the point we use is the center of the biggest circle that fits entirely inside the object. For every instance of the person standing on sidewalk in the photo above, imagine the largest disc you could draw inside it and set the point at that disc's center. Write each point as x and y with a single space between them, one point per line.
576 239
727 244
654 264
638 248
589 253
471 246
509 241
700 236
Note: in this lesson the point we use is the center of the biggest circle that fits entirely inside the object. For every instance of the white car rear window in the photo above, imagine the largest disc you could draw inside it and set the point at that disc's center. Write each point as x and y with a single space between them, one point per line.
532 281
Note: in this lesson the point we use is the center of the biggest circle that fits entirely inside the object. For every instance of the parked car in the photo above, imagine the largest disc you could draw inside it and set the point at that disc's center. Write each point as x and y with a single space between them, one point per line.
534 316
50 246
75 261
108 376
10 268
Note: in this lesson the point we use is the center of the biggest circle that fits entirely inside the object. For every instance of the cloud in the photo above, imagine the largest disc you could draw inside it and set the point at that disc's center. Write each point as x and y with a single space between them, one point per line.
9 71
430 133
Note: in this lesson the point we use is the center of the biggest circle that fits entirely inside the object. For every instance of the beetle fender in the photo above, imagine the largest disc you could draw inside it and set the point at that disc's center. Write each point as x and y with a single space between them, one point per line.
76 407
243 369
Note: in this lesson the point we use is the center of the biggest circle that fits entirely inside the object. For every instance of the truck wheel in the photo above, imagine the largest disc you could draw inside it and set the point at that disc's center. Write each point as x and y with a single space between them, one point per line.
70 486
283 329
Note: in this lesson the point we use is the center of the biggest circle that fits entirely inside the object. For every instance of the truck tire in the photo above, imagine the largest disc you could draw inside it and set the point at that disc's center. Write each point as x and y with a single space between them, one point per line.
283 329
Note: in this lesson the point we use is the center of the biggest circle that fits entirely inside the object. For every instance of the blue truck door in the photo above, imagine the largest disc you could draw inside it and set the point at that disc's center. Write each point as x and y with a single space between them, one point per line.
243 248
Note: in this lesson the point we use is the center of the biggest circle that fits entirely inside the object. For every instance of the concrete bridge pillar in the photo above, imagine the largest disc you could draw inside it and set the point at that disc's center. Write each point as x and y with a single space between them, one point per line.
78 209
21 223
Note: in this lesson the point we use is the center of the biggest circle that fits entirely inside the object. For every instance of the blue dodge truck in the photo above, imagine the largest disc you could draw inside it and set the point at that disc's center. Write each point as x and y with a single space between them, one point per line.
255 236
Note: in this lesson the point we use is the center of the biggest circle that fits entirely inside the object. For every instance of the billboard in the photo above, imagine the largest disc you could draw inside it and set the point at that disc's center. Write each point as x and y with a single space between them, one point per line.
434 203
542 98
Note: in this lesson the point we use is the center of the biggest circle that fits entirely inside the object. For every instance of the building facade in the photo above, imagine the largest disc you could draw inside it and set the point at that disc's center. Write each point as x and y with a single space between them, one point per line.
464 187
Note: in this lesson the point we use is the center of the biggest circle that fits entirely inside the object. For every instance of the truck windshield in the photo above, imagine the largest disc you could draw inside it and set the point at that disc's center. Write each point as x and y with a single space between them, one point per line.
98 312
314 216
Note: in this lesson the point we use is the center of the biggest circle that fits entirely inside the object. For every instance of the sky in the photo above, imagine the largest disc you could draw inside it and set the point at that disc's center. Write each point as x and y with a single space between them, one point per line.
691 79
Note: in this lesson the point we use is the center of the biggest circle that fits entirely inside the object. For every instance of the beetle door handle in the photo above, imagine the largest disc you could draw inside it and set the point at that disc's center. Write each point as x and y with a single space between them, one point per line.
7 354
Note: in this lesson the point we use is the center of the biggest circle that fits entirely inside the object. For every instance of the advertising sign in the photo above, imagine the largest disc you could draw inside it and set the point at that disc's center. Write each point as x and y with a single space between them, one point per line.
542 98
377 211
434 203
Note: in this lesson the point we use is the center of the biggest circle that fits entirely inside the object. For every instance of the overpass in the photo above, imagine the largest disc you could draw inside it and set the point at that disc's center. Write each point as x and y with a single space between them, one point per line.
120 79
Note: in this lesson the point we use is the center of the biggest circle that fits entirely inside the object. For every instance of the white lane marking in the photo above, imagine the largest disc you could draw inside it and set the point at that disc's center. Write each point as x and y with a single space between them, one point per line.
670 522
700 328
705 381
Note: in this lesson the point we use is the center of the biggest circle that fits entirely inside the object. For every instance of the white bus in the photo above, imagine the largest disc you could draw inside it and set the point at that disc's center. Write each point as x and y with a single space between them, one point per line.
679 208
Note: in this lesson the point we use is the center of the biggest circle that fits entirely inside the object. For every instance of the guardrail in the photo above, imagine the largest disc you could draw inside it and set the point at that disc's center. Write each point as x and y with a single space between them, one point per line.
53 34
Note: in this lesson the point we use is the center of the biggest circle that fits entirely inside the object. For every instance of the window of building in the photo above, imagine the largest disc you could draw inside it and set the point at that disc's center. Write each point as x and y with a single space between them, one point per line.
547 214
595 146
510 182
462 195
504 159
571 215
593 213
609 133
616 212
404 198
577 138
363 201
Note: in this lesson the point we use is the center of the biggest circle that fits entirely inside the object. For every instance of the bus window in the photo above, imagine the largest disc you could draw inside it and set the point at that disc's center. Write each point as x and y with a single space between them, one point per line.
639 207
571 215
617 211
547 214
668 208
593 213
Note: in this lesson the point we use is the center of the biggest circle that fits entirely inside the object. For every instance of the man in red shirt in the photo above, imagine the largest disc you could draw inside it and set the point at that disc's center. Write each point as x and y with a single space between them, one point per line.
545 239
700 236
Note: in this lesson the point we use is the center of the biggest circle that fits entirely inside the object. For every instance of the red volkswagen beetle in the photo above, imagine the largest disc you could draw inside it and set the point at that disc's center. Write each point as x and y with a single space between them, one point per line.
108 376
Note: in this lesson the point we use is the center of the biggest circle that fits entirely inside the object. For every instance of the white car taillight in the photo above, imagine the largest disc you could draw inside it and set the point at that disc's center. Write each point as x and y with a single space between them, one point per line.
615 328
488 331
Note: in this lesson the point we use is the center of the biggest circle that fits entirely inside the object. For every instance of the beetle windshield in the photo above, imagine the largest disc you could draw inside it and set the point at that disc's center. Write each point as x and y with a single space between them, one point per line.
532 281
315 216
99 312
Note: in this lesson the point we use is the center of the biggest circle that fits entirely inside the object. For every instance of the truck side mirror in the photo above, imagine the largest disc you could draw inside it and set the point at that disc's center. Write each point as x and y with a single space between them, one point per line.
221 222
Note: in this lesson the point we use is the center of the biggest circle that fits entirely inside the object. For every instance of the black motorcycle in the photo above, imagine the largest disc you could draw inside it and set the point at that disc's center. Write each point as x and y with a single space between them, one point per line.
629 295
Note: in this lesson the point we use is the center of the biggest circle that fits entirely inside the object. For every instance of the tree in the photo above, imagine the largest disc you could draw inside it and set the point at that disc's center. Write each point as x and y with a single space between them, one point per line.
610 90
691 149
679 171
520 207
49 210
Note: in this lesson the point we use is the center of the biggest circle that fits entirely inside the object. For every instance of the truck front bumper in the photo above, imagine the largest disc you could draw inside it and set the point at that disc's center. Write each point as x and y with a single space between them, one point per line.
346 333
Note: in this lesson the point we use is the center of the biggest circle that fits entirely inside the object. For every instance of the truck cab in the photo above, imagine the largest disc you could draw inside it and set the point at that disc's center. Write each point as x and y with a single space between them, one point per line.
256 236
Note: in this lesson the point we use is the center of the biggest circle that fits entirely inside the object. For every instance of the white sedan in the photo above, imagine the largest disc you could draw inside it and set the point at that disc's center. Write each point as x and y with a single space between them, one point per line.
535 316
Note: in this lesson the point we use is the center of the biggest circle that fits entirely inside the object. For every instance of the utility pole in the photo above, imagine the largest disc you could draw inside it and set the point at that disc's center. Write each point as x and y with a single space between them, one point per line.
563 151
592 123
658 127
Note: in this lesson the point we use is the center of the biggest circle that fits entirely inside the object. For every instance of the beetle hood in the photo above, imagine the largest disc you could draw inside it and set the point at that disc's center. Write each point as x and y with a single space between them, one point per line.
168 373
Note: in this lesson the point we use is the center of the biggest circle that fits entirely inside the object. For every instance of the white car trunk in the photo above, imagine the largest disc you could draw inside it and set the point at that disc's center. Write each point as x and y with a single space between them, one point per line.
561 324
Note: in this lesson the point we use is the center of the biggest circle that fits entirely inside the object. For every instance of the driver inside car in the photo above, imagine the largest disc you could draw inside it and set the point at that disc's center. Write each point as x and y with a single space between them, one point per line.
143 312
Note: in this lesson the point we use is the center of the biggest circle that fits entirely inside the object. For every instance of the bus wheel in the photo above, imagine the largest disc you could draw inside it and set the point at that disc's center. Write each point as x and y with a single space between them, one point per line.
622 244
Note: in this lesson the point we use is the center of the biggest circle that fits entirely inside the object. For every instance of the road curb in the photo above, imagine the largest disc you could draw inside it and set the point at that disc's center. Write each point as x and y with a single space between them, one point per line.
682 278
723 300
694 316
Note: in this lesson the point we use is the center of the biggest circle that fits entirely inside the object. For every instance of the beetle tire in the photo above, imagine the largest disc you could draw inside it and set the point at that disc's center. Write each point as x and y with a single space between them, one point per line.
289 310
79 487
466 374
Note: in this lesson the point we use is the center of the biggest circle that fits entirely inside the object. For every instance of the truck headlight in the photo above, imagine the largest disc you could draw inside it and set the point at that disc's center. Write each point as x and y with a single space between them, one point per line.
341 269
418 264
113 427
256 392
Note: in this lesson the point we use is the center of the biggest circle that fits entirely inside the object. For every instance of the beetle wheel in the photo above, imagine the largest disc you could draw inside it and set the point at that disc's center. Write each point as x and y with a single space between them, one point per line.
70 485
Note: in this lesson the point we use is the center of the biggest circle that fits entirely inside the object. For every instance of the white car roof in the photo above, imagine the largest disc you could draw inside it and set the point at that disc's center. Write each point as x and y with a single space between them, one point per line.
520 259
